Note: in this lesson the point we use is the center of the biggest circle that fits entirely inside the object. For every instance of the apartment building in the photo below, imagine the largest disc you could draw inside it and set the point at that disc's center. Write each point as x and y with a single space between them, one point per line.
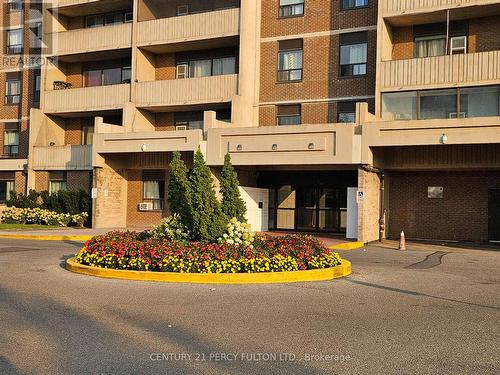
357 117
19 88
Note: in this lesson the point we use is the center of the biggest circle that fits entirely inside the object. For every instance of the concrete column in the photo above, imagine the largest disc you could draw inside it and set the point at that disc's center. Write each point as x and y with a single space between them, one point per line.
368 205
110 206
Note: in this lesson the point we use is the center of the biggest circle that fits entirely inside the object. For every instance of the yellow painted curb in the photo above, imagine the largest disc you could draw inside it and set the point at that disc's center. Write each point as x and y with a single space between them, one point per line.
347 246
45 238
342 270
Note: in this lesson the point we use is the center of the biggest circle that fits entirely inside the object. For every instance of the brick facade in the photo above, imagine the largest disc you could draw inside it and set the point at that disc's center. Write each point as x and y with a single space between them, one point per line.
321 85
462 213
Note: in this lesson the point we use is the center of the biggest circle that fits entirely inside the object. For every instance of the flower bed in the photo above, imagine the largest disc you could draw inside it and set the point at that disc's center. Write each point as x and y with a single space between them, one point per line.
141 252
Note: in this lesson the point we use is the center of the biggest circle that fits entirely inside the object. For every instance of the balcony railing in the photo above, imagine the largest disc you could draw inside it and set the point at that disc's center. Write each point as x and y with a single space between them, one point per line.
215 89
441 71
414 6
90 40
72 157
215 24
86 99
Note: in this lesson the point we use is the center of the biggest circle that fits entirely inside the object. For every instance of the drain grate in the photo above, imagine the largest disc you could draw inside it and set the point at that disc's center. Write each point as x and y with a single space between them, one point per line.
431 260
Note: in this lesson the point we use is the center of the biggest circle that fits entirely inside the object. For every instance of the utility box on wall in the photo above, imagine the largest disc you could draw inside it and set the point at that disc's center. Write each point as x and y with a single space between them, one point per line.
257 202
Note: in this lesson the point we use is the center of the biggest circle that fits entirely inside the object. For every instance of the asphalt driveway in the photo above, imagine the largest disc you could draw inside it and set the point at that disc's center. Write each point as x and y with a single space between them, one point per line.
424 311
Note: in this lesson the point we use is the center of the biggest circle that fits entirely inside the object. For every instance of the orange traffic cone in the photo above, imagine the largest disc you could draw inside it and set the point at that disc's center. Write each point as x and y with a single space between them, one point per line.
402 241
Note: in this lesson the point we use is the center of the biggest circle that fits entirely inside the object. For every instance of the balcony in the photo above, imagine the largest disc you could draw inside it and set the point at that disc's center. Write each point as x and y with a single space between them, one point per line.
285 145
75 8
143 142
440 71
86 99
90 40
69 157
189 91
190 28
408 12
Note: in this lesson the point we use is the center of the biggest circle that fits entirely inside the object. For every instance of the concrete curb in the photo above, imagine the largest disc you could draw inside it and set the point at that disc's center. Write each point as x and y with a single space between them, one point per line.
46 237
347 246
341 270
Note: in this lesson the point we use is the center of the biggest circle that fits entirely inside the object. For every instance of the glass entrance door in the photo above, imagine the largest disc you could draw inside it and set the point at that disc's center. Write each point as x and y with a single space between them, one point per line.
307 207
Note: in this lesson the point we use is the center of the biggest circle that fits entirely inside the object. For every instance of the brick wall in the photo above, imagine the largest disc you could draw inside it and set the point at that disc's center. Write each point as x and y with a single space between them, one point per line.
462 213
20 182
149 10
136 218
78 180
41 180
321 54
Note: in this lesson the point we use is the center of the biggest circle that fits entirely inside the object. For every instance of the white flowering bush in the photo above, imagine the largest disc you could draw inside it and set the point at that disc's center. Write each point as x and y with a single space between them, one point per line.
40 216
170 228
79 219
238 234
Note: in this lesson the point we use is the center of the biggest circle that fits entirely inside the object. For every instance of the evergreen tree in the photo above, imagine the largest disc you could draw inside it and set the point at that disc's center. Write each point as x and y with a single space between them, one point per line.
208 220
179 191
232 204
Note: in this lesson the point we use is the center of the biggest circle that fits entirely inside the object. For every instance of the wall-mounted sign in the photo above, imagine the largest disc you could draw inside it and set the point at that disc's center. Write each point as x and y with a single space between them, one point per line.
93 193
435 192
360 196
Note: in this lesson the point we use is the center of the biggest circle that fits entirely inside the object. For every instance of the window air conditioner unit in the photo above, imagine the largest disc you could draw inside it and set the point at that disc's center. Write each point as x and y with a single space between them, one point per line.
458 45
183 10
182 71
457 115
145 206
402 116
181 127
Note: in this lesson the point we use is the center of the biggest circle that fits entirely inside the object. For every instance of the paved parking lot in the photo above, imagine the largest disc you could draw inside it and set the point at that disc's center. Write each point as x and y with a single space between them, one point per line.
413 312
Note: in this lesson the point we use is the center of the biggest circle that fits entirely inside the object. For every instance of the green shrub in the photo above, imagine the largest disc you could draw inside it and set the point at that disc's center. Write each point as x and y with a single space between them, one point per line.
23 201
209 222
179 191
232 204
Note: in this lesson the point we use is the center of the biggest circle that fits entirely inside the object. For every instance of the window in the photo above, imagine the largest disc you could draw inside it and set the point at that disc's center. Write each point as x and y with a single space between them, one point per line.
352 4
11 141
15 5
200 68
399 106
438 104
154 188
6 187
346 112
442 104
14 41
105 77
189 120
480 101
291 8
37 84
108 19
428 46
36 39
289 115
290 58
206 67
225 65
56 185
87 133
12 91
353 54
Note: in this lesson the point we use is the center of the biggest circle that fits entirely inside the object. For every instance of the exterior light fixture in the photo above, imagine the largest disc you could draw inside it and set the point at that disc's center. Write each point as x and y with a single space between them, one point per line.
239 147
274 147
443 139
144 147
310 146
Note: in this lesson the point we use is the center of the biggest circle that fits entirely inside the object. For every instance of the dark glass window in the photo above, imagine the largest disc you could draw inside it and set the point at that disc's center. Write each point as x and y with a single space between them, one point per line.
289 115
353 4
291 8
353 54
290 60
